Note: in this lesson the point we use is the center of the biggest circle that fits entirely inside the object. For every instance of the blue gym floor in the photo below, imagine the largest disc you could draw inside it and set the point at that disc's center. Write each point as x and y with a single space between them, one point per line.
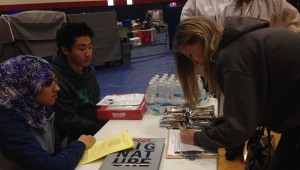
146 61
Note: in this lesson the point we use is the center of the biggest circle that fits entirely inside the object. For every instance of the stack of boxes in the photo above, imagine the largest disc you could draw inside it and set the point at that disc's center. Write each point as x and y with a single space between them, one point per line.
145 35
125 45
134 37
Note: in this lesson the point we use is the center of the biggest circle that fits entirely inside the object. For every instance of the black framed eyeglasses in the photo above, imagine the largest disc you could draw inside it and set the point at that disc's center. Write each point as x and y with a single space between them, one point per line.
50 83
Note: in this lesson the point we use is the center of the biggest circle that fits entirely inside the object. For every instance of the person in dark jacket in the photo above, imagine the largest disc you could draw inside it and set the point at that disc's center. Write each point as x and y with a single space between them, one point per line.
76 110
28 138
258 70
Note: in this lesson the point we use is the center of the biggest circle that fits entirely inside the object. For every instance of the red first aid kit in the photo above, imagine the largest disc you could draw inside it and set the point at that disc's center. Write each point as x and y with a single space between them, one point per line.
135 112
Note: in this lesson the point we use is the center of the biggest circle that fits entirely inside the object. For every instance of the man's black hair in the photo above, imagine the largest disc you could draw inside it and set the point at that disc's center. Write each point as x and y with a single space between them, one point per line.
67 34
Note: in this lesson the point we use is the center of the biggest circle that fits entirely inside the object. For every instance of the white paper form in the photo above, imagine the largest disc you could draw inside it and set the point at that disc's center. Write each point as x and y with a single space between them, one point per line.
122 100
175 145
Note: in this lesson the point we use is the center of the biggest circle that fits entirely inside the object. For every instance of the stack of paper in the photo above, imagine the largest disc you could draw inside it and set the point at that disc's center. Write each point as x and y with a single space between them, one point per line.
102 148
177 149
122 100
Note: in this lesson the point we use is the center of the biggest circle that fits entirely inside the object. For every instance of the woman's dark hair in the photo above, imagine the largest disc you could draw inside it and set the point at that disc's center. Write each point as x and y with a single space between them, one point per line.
67 34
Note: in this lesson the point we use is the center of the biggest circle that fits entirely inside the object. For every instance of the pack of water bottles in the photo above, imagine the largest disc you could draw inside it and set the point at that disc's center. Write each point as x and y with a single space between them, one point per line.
164 91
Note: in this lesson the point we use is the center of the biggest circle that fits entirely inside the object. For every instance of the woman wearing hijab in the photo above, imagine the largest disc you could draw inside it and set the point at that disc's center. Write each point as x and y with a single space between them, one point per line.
28 140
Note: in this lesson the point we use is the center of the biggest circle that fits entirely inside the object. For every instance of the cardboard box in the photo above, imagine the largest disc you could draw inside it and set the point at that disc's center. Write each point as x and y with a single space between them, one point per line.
122 112
153 34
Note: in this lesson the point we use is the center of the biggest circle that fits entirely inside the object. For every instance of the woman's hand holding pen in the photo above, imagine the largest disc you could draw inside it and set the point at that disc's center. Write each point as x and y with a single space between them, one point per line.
186 135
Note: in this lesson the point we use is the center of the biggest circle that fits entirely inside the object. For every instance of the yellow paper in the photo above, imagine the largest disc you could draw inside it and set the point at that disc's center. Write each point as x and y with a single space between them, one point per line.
119 142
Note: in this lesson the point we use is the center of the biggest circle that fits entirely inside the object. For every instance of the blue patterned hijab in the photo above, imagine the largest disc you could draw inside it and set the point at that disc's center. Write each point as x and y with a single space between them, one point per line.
21 79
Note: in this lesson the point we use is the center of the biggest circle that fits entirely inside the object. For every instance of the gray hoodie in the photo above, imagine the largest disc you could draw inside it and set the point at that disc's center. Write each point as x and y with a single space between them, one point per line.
258 70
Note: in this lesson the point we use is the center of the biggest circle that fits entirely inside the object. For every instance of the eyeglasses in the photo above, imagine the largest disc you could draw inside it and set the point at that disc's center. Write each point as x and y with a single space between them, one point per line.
50 83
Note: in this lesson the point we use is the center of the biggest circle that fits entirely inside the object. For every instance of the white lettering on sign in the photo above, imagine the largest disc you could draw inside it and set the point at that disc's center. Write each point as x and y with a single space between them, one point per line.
119 114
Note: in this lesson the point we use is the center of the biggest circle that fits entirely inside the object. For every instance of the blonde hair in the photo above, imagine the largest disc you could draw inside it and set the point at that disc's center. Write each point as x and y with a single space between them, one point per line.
190 31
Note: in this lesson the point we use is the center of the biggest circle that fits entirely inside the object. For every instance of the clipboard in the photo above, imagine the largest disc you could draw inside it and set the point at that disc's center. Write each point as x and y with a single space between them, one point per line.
188 151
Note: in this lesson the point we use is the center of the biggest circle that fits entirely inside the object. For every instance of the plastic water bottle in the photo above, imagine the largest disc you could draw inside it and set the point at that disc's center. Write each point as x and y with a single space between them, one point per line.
204 96
171 82
160 90
201 87
178 96
164 90
150 96
150 93
172 75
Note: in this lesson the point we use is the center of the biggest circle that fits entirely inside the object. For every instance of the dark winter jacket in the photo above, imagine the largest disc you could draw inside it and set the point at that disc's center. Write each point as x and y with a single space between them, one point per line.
22 148
258 70
76 110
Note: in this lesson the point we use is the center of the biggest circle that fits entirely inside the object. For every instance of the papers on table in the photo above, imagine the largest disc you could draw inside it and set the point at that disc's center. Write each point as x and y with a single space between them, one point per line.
122 100
176 146
119 142
177 149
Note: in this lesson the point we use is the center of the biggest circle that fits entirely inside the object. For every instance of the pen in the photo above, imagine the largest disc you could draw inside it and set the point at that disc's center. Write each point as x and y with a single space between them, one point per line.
182 126
191 155
191 152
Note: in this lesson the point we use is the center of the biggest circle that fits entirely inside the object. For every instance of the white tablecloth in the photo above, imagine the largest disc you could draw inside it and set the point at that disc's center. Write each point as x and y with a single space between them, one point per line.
149 127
